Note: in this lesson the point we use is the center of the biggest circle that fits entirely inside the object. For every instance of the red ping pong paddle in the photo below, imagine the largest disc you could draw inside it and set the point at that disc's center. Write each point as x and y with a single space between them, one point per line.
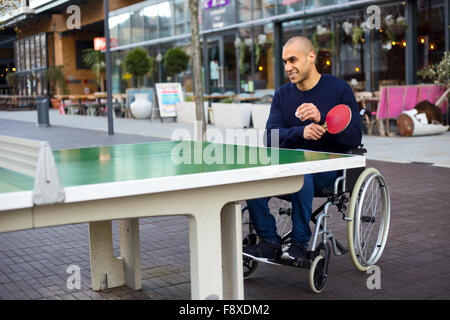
338 118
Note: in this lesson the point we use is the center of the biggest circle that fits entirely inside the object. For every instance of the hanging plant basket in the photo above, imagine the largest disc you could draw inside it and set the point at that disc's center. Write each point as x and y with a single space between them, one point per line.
398 29
323 39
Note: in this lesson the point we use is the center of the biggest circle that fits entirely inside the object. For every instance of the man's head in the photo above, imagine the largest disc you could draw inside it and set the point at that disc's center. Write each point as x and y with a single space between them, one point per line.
299 57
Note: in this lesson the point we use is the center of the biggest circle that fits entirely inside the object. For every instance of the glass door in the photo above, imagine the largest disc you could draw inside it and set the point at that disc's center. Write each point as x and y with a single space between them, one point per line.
215 63
221 64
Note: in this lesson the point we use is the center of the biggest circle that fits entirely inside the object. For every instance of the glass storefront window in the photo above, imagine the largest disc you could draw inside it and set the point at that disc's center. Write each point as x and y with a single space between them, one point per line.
264 8
38 52
165 19
114 27
389 46
245 59
43 50
229 66
182 16
151 22
286 6
27 54
245 10
137 26
32 54
17 56
123 24
431 33
351 45
263 59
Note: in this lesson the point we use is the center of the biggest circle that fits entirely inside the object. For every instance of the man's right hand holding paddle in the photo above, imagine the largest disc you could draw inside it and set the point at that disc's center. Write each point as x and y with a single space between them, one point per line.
308 111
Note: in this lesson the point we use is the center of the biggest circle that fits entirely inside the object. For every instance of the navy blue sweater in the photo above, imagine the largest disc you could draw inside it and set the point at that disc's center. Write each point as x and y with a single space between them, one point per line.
327 93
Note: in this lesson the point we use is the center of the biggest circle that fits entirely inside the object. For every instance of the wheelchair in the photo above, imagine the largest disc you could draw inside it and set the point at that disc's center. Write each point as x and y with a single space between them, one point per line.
361 195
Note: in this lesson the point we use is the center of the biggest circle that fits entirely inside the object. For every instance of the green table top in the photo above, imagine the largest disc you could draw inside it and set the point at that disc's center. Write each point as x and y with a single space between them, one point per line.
154 160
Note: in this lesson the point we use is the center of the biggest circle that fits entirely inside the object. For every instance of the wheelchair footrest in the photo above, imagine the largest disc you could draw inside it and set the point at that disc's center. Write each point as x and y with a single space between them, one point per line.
298 263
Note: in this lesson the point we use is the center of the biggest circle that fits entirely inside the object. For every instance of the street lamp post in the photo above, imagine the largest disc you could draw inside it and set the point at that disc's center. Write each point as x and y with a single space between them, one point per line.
108 69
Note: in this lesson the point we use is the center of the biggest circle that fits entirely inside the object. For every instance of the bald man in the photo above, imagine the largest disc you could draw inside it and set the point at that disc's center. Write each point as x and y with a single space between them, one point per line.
297 112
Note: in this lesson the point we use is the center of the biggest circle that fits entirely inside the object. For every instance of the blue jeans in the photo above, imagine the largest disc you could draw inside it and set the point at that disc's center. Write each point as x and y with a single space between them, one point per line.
264 222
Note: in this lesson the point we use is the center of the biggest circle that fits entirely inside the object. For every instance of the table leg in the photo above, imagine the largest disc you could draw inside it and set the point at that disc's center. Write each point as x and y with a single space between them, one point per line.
130 252
205 255
107 271
231 227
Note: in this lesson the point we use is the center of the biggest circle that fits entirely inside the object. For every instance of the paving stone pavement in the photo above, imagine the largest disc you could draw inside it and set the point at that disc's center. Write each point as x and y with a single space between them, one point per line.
414 265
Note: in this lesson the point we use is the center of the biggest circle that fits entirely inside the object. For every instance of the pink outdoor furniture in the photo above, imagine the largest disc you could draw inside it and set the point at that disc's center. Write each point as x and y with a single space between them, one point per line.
396 99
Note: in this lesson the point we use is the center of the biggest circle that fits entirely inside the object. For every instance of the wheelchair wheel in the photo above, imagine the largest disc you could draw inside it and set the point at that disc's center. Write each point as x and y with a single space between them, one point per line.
368 219
318 274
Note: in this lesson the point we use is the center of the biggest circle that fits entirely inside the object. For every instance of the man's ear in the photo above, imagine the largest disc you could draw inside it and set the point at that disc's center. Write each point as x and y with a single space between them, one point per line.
312 56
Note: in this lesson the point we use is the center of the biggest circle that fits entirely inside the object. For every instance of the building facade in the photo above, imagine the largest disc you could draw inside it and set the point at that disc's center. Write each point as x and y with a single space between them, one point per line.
366 42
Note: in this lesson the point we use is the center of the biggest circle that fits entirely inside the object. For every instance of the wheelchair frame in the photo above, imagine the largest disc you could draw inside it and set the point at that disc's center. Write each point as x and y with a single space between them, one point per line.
318 257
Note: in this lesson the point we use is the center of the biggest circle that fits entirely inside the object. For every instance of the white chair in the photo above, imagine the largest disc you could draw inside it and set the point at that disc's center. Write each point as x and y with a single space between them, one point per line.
260 114
232 115
186 111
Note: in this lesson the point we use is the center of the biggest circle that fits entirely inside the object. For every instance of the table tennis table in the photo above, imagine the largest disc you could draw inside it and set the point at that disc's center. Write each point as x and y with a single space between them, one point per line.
204 181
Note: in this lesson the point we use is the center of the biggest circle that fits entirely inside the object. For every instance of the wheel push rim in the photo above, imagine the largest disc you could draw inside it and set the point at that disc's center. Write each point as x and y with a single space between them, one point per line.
372 220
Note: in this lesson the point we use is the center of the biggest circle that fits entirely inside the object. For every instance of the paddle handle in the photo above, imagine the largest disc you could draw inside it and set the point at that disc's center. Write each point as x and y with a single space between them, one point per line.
325 126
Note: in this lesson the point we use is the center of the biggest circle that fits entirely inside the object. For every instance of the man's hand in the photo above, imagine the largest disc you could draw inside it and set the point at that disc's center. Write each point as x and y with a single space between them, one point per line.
313 132
308 111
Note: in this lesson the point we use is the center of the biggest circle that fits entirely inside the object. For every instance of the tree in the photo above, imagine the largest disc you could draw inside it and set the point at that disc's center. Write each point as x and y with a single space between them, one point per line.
175 61
197 65
138 63
55 76
95 60
13 81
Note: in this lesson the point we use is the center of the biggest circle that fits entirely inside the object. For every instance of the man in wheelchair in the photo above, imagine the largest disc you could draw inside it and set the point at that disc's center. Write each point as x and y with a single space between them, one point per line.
298 111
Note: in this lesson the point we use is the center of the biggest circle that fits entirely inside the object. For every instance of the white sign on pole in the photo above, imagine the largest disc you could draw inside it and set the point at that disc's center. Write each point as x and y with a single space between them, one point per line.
168 95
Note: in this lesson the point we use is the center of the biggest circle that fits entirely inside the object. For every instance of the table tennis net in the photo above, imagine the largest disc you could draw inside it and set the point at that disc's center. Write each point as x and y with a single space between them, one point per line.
19 155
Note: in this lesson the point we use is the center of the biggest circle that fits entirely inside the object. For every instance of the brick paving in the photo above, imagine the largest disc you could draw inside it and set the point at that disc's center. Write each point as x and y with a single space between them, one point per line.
414 265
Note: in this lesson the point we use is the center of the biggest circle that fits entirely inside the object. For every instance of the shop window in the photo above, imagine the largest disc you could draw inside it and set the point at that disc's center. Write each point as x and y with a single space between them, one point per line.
389 44
286 6
182 17
351 45
245 10
137 26
151 22
80 46
264 8
165 19
431 32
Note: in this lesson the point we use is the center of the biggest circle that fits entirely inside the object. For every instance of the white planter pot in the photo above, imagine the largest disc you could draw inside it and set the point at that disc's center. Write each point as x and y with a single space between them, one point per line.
141 108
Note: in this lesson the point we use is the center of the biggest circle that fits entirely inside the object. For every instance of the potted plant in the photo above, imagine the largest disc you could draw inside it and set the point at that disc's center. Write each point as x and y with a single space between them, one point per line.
175 61
396 27
357 35
138 63
11 79
439 72
57 83
95 60
323 38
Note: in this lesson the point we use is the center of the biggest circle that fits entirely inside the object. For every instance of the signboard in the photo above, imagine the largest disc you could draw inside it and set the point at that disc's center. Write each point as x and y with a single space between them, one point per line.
100 43
218 14
168 95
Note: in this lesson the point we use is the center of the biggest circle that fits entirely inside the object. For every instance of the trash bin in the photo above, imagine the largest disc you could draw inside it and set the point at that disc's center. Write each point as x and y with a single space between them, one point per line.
42 111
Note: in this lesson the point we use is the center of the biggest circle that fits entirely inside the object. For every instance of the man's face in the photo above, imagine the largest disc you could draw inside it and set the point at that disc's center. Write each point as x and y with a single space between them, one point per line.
297 63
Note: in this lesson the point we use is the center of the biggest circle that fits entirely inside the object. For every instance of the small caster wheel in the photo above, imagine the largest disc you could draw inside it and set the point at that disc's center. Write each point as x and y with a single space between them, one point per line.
250 266
318 274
